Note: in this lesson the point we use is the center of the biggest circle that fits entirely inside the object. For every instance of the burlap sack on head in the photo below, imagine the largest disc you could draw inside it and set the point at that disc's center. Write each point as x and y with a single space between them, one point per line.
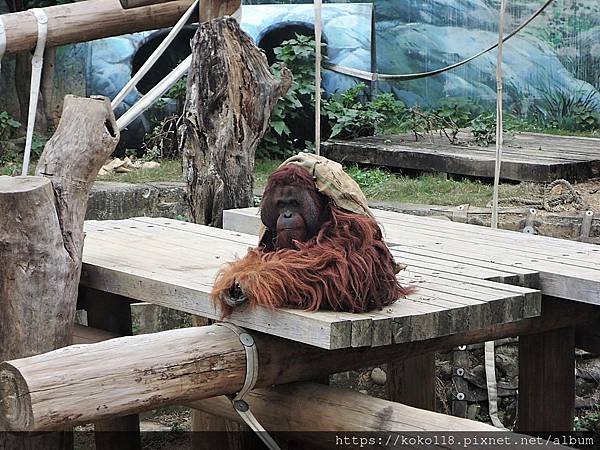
332 181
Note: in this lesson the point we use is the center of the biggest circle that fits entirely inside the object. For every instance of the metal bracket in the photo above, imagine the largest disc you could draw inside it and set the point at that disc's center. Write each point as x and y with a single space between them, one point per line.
238 403
460 213
530 222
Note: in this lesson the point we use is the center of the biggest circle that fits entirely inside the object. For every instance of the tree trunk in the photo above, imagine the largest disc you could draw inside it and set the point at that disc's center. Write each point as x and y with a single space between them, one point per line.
41 239
230 96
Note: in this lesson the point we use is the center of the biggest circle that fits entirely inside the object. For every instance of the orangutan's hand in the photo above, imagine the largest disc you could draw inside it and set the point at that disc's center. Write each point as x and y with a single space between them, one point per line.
236 296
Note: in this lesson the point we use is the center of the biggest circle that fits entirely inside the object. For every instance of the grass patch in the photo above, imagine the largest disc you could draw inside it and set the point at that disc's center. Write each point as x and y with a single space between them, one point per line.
431 189
15 167
262 169
169 170
377 184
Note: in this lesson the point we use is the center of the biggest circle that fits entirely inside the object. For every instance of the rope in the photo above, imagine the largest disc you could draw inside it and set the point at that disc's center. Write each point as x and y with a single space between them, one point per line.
489 348
37 64
370 76
2 40
154 56
548 202
161 87
318 57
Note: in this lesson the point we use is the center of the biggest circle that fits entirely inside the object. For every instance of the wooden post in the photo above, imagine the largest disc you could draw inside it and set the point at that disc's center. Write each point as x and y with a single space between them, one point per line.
211 9
111 313
411 381
230 96
547 381
41 235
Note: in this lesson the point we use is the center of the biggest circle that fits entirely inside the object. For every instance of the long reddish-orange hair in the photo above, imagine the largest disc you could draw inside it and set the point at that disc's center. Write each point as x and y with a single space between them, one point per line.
345 267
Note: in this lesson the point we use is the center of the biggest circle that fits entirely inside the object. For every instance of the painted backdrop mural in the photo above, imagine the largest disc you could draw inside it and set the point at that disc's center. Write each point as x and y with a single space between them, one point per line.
557 55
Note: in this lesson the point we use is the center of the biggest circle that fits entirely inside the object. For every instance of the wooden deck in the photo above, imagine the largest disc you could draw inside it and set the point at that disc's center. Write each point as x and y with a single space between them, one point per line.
173 263
526 156
559 268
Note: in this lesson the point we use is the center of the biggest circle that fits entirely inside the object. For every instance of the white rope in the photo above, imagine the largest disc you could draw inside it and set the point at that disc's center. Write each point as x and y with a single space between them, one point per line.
157 53
161 87
490 362
318 27
37 63
241 407
2 40
154 94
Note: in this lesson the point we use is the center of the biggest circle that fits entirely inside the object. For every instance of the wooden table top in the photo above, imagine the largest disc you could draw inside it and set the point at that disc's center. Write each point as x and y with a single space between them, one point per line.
558 267
173 264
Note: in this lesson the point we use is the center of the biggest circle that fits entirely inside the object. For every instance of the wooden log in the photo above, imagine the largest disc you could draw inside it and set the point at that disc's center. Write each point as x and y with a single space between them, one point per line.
41 231
547 381
79 22
230 96
178 366
211 9
310 407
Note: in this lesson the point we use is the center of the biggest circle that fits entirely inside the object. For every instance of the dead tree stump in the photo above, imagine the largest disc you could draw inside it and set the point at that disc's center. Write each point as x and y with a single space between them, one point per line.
231 94
41 235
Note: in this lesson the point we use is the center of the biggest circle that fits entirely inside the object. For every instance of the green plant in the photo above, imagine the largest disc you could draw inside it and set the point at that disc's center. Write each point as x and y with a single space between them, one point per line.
483 128
560 109
369 178
343 115
290 121
8 125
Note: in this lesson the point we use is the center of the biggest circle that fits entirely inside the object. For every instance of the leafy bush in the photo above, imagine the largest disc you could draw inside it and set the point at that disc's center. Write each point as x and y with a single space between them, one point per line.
8 126
343 115
563 110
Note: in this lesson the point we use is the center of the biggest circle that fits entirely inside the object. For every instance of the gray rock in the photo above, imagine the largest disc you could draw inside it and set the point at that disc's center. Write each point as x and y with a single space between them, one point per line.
378 376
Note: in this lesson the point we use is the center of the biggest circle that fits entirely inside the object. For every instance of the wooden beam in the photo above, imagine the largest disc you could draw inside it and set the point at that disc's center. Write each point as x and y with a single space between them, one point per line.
88 20
411 381
547 381
138 373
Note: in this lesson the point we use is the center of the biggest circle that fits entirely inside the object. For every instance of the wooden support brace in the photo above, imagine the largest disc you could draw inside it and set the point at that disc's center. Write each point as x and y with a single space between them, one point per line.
547 381
411 381
137 373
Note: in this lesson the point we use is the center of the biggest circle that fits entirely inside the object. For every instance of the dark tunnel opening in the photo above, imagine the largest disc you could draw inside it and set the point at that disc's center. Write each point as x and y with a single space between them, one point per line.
177 51
275 35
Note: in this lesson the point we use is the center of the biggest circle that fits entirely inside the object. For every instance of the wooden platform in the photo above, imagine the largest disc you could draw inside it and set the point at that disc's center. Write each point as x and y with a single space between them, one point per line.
173 263
526 156
558 267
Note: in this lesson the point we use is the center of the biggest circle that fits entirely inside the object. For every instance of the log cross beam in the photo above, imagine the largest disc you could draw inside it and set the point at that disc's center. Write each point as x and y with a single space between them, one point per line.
131 374
89 20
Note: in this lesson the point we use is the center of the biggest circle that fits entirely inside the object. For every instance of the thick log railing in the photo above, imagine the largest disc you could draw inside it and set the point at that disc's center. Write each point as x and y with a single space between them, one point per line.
84 383
88 20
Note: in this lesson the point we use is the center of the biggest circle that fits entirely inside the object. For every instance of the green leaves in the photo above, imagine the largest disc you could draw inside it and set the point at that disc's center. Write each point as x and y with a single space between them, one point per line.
8 125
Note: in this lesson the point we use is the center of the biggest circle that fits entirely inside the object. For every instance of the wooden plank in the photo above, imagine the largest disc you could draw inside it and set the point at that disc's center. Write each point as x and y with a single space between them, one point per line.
524 159
147 271
547 381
